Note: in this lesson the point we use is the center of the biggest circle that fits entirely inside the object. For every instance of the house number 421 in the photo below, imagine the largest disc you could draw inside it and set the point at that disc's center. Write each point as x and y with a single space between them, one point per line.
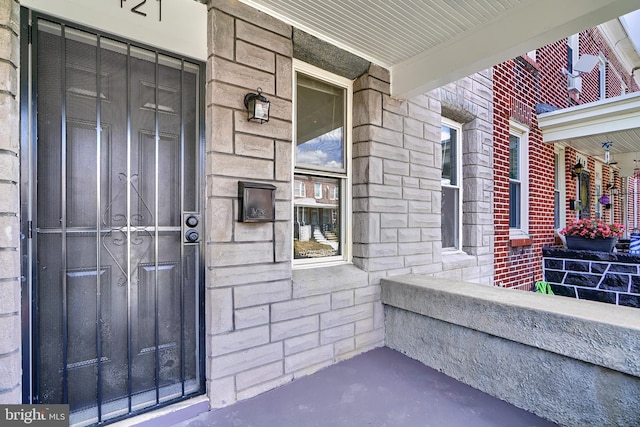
141 7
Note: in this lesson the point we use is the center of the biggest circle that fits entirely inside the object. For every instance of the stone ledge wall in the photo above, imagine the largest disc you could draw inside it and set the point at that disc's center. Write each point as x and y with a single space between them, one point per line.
596 276
576 361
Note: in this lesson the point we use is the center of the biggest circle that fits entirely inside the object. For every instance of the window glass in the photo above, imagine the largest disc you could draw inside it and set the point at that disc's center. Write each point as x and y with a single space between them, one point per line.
515 186
450 216
514 205
320 123
602 79
514 157
449 138
556 191
316 220
451 190
321 170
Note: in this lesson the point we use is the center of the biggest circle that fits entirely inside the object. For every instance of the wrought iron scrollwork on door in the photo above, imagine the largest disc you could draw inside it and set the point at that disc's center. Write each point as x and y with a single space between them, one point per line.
138 235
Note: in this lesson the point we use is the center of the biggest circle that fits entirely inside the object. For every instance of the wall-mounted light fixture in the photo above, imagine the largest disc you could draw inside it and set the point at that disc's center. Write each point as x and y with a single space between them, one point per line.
257 106
607 151
577 170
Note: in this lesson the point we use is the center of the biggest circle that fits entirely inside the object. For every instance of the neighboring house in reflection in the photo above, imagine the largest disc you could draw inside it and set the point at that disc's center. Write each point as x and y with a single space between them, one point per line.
316 218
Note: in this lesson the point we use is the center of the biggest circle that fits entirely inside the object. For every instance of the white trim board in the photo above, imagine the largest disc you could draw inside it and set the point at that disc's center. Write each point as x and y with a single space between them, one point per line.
181 28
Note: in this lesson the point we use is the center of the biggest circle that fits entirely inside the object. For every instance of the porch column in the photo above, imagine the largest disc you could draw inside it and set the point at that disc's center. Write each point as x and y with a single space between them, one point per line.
10 357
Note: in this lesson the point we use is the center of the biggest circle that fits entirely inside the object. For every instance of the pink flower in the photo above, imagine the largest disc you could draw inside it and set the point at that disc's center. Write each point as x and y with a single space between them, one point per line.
592 228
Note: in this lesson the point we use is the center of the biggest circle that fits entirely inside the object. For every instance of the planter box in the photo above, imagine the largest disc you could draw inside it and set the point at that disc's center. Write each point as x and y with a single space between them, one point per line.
599 244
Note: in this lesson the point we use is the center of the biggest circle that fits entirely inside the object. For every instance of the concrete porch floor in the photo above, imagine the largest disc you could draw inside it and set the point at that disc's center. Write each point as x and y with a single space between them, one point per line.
379 388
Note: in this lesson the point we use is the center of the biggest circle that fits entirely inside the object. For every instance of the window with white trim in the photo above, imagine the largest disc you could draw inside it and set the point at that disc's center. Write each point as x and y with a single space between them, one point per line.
322 153
299 189
602 77
518 180
572 52
451 180
334 193
557 195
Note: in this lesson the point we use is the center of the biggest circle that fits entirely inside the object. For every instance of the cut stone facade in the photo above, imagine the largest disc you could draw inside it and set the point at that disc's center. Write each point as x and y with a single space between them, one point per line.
267 322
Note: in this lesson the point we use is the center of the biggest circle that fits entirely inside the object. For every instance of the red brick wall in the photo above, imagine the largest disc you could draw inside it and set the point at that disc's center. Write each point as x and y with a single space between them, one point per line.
520 84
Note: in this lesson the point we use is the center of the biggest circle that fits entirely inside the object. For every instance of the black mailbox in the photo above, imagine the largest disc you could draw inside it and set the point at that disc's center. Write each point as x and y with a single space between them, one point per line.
256 202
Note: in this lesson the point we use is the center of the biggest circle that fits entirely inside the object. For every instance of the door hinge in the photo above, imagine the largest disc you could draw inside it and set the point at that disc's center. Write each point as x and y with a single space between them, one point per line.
29 229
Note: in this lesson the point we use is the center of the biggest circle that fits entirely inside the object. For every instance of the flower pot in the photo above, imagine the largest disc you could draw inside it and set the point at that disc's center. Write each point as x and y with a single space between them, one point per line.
600 244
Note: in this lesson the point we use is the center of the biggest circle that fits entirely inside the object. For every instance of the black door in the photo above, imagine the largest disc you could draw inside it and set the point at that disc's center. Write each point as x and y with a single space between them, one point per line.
117 286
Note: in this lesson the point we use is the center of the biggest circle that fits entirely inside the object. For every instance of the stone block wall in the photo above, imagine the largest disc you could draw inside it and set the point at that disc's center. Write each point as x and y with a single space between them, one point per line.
397 169
10 283
267 323
597 276
468 101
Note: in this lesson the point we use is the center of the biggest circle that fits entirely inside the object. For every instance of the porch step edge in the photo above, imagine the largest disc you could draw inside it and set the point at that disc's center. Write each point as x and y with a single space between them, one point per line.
169 415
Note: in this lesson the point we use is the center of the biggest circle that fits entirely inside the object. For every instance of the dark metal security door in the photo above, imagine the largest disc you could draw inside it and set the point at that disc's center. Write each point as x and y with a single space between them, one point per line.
117 274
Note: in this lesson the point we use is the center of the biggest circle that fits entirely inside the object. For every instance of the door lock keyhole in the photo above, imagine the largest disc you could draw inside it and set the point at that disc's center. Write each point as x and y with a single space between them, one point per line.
192 236
192 232
192 221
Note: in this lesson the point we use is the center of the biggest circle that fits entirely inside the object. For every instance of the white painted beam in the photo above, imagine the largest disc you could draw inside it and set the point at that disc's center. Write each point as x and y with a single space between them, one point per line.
525 28
608 116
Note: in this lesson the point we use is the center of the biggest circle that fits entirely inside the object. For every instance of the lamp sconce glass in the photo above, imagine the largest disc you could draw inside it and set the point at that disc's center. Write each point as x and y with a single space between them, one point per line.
257 106
577 169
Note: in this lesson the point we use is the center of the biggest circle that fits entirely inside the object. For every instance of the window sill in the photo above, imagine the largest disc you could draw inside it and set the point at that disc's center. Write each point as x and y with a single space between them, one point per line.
458 259
518 242
319 263
325 279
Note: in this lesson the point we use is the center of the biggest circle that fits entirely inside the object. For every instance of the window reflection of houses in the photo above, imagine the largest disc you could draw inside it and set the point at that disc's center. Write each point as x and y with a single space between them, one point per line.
316 216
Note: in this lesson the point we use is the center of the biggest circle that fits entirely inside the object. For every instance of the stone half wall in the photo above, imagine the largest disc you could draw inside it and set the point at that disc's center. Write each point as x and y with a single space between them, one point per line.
597 276
576 361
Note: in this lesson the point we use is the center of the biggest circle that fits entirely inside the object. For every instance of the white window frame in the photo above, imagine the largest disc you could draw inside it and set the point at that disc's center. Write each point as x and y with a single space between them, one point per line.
602 77
346 178
458 159
561 184
317 190
334 193
522 132
299 189
573 42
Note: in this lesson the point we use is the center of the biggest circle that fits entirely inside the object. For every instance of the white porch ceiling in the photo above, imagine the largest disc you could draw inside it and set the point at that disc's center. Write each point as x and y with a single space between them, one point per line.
586 127
428 43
